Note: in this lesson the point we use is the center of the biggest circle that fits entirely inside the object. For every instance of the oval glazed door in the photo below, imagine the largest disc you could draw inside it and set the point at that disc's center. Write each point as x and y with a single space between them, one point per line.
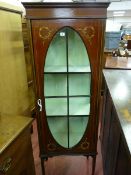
67 92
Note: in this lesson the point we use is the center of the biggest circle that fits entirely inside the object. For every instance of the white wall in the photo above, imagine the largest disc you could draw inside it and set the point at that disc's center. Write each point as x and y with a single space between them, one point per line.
116 20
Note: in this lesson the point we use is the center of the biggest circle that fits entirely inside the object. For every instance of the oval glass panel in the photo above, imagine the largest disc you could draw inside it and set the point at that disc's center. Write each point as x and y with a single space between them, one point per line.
67 82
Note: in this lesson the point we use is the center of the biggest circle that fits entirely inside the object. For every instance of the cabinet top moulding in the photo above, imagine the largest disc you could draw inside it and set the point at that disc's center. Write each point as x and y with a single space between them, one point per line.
66 10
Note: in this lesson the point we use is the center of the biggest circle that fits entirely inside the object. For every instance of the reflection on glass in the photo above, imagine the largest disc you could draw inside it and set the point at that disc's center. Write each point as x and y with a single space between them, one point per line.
56 55
77 127
55 85
59 130
79 106
56 106
79 84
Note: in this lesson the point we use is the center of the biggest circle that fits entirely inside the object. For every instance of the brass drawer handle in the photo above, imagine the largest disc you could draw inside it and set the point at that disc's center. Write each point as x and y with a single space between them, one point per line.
5 166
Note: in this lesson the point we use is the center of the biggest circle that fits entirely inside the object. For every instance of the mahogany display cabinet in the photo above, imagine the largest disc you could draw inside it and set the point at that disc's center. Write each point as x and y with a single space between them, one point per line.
67 40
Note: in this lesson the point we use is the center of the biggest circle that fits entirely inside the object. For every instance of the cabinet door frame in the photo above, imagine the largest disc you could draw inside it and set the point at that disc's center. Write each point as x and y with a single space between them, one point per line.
90 32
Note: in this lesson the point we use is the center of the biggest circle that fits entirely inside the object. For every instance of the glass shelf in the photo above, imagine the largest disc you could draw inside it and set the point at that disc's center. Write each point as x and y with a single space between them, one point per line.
56 55
63 69
79 106
56 106
59 106
77 127
79 84
59 129
77 53
82 69
55 85
64 133
55 69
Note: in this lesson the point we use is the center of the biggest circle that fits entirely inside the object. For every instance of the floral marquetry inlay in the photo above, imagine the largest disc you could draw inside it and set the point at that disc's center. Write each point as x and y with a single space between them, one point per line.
89 32
51 146
45 32
85 145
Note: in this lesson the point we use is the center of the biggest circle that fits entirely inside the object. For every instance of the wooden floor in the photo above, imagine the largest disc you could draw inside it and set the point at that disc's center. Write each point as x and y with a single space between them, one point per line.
65 165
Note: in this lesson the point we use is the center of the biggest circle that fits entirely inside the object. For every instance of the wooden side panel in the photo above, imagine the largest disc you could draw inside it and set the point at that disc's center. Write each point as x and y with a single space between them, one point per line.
29 65
13 80
115 152
123 165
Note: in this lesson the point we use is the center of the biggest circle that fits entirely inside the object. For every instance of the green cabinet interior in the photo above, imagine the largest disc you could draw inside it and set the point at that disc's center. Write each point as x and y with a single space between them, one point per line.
67 80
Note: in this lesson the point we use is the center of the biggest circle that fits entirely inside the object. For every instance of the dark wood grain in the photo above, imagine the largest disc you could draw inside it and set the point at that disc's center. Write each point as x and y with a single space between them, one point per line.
65 10
115 137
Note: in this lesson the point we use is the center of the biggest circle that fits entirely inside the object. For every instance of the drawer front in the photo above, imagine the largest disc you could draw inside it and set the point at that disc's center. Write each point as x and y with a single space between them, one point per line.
15 160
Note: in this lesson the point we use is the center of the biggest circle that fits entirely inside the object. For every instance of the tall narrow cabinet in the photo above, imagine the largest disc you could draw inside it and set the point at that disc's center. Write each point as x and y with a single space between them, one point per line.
67 41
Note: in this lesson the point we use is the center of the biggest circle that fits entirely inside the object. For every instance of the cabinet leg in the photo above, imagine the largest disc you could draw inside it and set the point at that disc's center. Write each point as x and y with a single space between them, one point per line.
93 165
46 158
43 167
87 157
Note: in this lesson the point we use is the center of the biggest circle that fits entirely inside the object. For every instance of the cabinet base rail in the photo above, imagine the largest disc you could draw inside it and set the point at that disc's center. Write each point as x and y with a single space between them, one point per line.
45 158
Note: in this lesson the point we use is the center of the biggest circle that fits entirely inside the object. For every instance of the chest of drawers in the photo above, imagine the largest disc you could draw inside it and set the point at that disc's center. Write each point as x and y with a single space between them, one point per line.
16 156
